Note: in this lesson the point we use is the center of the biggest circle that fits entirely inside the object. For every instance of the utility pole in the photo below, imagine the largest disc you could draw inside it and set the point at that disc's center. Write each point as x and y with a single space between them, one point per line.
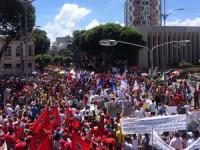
26 37
21 48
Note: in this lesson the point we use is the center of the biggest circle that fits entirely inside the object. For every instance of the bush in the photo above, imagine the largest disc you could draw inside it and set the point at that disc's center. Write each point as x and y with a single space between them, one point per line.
184 64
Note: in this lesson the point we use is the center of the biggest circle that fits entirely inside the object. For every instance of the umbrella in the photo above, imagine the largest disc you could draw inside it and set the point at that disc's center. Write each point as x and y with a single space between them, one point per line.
45 73
62 72
144 75
56 70
176 73
34 72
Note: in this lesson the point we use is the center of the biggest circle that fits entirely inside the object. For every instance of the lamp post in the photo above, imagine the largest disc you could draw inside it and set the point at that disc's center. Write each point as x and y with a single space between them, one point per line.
111 42
165 15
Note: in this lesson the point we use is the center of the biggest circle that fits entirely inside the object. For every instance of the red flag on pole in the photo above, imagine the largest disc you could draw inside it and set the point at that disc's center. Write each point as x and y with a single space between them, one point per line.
100 131
79 144
43 122
41 141
55 120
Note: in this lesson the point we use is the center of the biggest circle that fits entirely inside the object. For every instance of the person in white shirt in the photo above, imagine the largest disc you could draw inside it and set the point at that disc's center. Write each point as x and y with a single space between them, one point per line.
127 145
152 108
138 113
9 110
190 139
135 142
176 142
17 109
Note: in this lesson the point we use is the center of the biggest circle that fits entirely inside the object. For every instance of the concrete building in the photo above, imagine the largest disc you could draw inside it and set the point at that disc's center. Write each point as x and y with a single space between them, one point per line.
11 61
171 54
63 42
142 12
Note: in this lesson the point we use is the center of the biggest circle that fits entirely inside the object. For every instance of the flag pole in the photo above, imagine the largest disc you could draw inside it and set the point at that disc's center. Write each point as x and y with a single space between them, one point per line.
152 137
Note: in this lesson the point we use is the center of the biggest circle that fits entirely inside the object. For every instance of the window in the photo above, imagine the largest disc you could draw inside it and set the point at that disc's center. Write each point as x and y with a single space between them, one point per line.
17 65
143 22
7 66
29 65
29 50
8 51
18 51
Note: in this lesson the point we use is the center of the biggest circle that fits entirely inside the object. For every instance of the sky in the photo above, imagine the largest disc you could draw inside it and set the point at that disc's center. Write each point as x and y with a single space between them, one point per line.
61 17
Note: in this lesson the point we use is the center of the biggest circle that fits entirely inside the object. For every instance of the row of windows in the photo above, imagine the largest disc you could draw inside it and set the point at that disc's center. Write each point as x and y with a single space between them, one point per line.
8 51
9 66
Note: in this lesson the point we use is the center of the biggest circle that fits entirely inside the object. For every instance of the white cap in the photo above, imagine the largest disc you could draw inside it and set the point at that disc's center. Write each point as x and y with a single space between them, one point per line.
190 134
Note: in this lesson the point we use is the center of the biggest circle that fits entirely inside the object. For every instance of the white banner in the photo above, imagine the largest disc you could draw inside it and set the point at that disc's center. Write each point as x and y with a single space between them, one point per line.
194 146
159 143
159 124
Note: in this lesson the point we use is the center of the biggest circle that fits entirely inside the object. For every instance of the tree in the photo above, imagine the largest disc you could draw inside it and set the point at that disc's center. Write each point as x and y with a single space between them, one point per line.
12 12
43 60
64 57
42 42
88 41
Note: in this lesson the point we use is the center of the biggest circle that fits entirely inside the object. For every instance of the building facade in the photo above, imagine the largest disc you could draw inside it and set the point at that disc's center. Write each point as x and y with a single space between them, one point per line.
63 42
16 59
171 54
142 12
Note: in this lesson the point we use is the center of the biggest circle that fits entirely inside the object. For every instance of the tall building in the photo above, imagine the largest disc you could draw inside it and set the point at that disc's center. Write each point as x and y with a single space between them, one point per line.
142 12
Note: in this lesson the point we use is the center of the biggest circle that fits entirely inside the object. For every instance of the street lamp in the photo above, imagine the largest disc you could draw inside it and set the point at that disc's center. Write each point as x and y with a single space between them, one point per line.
111 42
164 15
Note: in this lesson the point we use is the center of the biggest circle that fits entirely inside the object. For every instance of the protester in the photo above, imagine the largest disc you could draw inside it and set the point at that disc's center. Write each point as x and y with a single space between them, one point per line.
81 110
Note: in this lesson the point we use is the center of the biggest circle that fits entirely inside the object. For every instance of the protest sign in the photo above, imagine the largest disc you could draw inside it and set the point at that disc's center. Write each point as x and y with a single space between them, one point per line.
159 124
159 143
195 145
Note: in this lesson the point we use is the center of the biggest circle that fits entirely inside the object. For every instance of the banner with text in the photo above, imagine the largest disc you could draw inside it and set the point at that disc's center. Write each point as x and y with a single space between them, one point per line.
159 124
159 143
195 145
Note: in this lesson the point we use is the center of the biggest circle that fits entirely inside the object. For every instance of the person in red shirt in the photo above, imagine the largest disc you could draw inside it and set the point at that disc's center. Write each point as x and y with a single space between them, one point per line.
21 145
10 139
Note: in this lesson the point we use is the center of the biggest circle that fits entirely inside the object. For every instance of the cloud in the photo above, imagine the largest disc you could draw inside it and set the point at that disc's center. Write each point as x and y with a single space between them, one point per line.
186 22
95 23
122 24
66 21
92 24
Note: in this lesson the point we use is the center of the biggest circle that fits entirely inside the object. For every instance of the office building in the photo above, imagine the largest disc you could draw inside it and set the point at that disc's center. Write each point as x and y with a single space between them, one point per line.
171 54
63 42
142 12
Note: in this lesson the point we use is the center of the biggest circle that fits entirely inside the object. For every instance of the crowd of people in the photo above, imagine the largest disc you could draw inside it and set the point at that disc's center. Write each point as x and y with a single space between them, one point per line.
74 110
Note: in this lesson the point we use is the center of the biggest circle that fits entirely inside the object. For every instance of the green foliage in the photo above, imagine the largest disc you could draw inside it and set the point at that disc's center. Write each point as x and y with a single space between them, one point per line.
88 41
64 57
184 64
66 53
42 42
11 12
43 60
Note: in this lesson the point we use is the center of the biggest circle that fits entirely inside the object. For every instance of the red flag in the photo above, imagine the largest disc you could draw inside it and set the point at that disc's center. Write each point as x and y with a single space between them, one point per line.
69 113
76 124
79 144
47 144
54 118
40 141
43 122
100 131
